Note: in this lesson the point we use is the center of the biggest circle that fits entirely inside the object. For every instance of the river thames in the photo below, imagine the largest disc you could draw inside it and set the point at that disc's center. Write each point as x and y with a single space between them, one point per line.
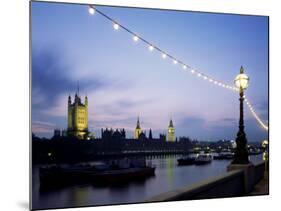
168 176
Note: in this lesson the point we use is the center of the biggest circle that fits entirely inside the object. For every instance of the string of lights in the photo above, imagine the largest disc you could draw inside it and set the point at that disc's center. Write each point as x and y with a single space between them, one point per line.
165 55
264 126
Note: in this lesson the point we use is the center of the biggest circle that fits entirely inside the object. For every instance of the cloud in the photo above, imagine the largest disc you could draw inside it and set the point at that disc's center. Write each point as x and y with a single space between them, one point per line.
121 105
192 121
224 128
42 127
254 131
227 128
262 105
50 78
52 83
223 122
263 110
191 126
230 120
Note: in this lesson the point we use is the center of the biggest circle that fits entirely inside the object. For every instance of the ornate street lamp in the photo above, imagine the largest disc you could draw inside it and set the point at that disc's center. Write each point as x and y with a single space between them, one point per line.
241 153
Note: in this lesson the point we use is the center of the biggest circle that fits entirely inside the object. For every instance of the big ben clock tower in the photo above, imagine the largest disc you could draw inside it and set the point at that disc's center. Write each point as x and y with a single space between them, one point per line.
171 132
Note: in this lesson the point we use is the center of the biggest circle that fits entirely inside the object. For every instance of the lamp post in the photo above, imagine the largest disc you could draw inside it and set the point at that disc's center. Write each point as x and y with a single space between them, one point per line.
241 152
265 158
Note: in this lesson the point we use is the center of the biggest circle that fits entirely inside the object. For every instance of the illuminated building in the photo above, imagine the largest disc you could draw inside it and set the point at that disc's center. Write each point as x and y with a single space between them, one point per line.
171 132
137 130
77 118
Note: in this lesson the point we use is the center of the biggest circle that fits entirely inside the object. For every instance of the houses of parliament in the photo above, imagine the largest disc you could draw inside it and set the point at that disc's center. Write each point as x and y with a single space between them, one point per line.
77 117
77 122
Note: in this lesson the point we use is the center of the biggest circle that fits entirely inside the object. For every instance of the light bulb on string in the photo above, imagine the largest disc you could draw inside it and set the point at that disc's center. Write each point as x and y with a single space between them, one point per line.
91 10
115 26
135 38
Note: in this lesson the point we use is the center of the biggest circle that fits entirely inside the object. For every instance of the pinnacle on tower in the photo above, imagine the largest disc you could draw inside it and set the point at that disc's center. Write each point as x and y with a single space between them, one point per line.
78 88
86 100
150 134
138 123
171 123
137 130
241 69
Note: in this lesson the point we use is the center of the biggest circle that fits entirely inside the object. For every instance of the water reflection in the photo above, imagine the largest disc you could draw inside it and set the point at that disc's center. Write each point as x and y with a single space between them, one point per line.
170 170
168 176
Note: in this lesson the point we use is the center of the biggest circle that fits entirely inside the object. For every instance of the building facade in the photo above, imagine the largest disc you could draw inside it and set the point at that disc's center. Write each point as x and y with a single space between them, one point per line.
77 117
137 130
171 132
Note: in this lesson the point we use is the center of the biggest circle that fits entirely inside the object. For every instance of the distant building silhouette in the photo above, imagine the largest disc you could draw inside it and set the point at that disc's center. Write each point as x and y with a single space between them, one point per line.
57 133
142 136
64 133
162 137
113 135
137 130
150 135
77 117
106 134
171 132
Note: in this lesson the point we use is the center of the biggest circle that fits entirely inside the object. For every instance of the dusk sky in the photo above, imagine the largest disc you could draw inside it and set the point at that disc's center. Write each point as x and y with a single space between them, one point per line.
124 80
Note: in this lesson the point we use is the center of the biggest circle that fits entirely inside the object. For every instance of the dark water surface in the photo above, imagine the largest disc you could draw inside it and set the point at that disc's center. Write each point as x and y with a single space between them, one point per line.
168 176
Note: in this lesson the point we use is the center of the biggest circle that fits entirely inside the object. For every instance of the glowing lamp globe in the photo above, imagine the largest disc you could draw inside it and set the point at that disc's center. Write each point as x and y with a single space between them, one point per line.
135 38
115 26
242 80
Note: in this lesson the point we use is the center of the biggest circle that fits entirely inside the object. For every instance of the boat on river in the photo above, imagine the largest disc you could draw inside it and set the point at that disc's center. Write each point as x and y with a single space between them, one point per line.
254 151
122 175
202 159
101 174
187 160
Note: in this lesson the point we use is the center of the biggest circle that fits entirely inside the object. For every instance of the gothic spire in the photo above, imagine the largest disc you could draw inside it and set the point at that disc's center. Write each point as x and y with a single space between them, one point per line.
171 123
150 134
138 123
78 88
241 69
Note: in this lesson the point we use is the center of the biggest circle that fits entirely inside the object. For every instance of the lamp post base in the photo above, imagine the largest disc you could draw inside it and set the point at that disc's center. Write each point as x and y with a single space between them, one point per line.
241 155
